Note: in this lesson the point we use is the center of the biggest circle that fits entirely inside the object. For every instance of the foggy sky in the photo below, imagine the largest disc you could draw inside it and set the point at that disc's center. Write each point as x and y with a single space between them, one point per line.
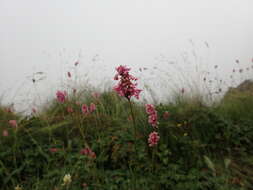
50 35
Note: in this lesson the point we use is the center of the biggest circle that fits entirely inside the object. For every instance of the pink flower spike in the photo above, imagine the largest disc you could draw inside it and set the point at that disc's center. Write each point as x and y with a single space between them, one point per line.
61 96
126 86
34 110
95 95
92 107
152 119
150 108
88 152
85 109
70 110
153 139
13 123
53 150
166 115
5 133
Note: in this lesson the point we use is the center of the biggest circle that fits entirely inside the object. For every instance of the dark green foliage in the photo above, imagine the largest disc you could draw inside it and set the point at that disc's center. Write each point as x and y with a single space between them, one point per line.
201 147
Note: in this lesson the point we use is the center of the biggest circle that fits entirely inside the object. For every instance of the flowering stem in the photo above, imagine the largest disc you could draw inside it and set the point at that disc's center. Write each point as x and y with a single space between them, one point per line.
134 124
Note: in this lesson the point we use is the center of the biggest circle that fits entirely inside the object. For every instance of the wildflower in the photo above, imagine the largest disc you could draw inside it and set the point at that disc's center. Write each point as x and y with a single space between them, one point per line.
53 150
179 125
126 87
185 134
70 110
69 74
153 139
67 180
150 109
84 185
95 95
166 115
8 110
74 90
34 110
5 133
85 109
152 119
13 123
18 187
88 152
92 107
76 63
61 96
130 118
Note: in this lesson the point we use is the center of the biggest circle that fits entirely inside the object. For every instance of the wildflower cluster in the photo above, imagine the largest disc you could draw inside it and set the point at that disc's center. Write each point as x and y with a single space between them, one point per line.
61 96
153 139
86 109
126 87
152 119
88 152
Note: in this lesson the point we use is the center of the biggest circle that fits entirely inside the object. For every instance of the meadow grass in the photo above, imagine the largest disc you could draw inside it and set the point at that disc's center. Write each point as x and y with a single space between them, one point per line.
202 146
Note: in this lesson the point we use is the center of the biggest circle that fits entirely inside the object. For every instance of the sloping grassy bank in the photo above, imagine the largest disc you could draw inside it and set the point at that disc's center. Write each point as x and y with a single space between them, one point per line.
200 147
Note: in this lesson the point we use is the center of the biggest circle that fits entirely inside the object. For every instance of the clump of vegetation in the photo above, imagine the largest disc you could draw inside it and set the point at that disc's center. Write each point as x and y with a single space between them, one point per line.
107 141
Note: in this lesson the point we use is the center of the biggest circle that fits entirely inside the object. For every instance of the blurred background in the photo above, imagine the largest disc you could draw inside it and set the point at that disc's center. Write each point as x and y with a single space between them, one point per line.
170 45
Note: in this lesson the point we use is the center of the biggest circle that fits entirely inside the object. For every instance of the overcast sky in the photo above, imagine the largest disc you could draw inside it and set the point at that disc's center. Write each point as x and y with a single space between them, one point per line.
50 35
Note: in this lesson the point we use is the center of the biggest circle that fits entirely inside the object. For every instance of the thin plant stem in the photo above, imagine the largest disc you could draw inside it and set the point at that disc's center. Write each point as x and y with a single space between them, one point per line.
134 124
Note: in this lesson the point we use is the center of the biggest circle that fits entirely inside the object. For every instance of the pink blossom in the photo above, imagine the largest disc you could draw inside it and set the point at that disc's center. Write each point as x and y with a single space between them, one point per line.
61 96
85 109
92 107
150 108
88 152
34 110
70 109
53 150
166 115
95 95
153 139
126 87
152 119
130 118
13 123
5 133
8 110
69 74
84 185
